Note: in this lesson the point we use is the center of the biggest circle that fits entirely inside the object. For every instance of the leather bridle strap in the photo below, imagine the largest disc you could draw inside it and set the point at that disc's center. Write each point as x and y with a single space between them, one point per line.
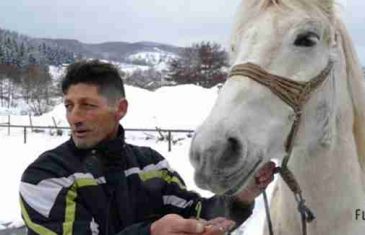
295 94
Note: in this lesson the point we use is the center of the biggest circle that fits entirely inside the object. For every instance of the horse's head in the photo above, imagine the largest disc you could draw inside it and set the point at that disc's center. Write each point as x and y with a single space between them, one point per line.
249 124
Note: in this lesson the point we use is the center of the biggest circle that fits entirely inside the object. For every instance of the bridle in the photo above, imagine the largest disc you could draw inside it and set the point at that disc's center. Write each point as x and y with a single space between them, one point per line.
295 94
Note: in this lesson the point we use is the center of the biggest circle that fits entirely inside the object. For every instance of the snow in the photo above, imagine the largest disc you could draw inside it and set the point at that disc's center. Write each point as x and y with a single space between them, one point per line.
181 107
130 68
159 58
57 72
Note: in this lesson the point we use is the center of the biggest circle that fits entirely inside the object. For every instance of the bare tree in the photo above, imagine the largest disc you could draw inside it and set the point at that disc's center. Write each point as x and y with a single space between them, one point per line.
9 76
36 83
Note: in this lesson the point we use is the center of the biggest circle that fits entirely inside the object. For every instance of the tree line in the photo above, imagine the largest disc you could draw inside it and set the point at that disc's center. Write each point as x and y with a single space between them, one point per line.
24 70
22 51
204 64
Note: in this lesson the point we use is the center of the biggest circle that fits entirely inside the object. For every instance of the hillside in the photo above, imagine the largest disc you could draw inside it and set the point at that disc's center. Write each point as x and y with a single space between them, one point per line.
113 51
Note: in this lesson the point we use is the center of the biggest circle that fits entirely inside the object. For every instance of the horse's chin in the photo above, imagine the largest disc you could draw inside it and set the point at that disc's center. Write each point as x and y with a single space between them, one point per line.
242 182
238 180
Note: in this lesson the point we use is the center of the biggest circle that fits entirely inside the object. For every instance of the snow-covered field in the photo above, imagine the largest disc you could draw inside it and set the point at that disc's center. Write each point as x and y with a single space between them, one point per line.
181 107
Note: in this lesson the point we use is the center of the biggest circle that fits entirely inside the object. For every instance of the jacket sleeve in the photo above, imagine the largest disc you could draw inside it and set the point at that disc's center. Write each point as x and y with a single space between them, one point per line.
50 205
137 229
49 199
177 199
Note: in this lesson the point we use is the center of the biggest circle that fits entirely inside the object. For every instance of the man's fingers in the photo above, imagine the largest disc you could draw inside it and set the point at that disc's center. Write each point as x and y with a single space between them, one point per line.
218 225
267 168
265 172
263 177
211 230
189 226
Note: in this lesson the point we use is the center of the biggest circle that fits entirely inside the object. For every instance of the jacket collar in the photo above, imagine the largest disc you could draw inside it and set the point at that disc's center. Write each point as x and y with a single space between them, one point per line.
109 147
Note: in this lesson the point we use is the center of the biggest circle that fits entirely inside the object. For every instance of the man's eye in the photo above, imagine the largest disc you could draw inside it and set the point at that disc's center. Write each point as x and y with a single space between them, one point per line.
69 108
90 105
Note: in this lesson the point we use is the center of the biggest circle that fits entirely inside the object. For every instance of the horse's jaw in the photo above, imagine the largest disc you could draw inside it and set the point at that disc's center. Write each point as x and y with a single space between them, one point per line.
227 172
228 148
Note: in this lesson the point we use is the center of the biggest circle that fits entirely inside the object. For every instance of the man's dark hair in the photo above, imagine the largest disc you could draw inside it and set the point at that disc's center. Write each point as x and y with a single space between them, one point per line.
103 75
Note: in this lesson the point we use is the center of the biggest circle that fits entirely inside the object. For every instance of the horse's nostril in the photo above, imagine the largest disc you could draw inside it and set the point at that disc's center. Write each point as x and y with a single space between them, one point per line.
231 153
196 160
233 145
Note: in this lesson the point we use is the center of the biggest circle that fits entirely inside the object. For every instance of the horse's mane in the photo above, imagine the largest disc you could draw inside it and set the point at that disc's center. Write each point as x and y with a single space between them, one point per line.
357 89
325 6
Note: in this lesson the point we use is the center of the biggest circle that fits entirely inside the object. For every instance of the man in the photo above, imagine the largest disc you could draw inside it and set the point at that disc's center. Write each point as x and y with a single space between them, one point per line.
95 183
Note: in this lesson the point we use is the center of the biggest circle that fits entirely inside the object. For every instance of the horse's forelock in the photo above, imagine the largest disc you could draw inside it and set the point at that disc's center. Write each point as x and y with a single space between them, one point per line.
326 6
250 8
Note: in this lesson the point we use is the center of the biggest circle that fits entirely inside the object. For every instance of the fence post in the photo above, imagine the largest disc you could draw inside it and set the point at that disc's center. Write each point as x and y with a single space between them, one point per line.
25 135
31 122
9 124
169 138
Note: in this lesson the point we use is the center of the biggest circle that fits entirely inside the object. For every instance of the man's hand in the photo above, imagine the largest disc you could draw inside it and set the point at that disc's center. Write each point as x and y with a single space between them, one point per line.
263 177
177 225
218 226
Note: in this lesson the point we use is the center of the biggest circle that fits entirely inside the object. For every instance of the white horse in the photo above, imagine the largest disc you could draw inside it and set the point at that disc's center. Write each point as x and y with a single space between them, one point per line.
249 124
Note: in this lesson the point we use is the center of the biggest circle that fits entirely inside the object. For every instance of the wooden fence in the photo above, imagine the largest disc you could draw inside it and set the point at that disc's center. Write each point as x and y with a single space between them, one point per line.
161 132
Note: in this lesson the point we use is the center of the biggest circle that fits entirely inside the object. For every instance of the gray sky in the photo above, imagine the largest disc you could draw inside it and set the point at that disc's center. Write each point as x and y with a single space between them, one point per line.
178 22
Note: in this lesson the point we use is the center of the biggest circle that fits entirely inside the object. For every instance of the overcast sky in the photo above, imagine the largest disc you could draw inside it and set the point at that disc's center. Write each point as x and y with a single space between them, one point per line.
178 22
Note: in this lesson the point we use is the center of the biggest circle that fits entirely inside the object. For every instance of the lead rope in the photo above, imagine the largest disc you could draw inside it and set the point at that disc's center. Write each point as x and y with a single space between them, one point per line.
267 210
306 214
295 94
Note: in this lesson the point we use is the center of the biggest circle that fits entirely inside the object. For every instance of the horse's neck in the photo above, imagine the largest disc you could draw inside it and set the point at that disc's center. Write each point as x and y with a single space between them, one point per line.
326 150
331 180
324 167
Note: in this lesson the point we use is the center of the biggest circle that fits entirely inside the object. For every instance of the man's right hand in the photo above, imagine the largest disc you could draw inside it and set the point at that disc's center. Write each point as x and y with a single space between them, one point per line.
177 225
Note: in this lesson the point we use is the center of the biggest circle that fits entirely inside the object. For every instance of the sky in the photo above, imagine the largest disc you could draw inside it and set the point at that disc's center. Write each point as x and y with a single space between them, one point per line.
177 22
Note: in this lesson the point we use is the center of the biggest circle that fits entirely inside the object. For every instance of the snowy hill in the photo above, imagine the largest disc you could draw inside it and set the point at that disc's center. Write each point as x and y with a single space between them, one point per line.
114 51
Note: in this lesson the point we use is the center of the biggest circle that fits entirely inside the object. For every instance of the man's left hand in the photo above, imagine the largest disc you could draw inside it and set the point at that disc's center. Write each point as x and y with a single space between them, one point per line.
263 177
218 226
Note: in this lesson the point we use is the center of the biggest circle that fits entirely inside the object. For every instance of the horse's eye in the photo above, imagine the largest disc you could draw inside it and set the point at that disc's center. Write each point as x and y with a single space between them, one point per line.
308 39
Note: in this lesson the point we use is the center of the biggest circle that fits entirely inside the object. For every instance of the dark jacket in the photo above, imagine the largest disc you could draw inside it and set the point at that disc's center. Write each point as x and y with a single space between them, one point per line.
114 188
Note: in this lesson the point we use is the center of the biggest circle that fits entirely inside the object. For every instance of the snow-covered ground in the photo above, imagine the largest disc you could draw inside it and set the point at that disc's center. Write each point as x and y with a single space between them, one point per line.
181 107
158 58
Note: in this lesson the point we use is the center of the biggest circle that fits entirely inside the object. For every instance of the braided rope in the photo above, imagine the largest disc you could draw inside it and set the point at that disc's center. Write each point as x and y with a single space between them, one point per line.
295 94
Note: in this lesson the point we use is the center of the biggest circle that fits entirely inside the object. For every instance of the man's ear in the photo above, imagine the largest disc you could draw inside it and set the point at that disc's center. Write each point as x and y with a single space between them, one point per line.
121 108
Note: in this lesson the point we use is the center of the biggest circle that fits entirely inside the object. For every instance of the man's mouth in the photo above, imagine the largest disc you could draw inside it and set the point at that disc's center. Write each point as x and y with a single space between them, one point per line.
80 133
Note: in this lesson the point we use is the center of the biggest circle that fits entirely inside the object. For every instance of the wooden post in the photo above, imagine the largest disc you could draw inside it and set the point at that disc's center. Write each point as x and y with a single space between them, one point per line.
169 139
9 124
31 123
162 137
25 135
54 122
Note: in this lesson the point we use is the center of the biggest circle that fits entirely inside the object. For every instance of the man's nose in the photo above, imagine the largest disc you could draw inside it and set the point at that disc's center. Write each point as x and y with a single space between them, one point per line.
76 115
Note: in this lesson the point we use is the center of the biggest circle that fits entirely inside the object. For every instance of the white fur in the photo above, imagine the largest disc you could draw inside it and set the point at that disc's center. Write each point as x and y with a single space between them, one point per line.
329 155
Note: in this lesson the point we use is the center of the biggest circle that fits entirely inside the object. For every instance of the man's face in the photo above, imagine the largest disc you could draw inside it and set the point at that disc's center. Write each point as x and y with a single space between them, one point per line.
92 119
